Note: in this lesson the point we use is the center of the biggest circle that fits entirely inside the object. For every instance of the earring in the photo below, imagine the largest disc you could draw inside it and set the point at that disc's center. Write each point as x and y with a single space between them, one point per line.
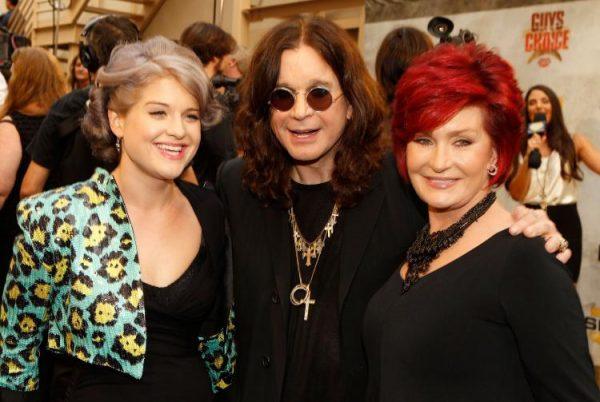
492 170
118 145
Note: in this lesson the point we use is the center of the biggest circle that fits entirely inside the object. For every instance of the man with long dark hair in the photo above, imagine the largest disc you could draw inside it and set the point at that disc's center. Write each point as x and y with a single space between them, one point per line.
319 218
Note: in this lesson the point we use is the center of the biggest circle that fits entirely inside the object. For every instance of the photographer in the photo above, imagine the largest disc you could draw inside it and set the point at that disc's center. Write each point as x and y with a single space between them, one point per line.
547 172
60 155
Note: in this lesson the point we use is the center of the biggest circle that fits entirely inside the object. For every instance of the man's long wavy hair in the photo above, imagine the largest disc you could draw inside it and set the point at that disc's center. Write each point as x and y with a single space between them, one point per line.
268 165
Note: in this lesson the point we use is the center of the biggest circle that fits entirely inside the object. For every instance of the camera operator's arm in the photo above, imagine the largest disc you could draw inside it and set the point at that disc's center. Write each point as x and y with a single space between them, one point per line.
587 153
10 157
34 180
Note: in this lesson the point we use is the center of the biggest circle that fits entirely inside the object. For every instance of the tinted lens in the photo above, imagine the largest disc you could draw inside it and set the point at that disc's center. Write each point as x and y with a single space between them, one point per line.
319 99
282 100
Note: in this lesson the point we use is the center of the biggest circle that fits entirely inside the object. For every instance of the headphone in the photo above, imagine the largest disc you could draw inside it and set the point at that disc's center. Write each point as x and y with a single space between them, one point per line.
86 52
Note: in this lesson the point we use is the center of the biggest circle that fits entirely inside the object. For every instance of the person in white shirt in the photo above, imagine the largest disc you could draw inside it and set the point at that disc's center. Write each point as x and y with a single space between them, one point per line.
553 185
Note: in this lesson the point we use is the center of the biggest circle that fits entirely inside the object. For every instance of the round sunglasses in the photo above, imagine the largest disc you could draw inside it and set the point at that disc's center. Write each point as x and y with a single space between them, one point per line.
318 98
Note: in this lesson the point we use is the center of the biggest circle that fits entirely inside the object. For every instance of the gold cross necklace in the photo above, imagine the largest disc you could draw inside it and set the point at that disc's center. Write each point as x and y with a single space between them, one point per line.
300 294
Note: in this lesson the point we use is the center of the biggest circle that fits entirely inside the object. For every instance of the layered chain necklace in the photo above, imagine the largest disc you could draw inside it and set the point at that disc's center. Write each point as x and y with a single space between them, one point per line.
309 251
428 246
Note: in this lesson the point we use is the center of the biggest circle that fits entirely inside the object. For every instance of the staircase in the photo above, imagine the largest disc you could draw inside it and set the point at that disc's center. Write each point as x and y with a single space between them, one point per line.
34 19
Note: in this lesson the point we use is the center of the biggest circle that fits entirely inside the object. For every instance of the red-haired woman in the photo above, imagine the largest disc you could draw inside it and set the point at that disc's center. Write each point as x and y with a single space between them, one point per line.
474 313
319 219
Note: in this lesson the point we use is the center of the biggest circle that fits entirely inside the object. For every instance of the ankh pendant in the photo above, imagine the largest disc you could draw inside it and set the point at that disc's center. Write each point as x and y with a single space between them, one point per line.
306 300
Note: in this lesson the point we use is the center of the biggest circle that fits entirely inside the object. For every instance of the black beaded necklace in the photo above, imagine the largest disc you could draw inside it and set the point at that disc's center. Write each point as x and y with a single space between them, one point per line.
427 247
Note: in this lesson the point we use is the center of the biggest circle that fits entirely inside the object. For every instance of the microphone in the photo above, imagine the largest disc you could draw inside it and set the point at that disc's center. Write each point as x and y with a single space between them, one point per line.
536 126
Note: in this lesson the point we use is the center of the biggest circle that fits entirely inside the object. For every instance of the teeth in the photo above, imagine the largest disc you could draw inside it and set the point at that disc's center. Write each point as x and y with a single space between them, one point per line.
170 148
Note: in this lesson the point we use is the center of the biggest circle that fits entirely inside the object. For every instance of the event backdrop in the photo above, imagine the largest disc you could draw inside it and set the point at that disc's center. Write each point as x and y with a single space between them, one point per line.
557 45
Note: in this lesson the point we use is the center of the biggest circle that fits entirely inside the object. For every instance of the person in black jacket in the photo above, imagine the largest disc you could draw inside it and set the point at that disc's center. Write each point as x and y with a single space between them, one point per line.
60 154
319 218
214 48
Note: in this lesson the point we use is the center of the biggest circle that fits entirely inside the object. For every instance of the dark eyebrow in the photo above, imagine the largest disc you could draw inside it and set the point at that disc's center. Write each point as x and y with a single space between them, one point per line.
451 133
311 84
463 131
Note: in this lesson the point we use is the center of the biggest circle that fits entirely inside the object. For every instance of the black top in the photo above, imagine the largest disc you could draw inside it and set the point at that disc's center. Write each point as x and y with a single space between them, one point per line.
313 353
26 126
60 146
376 233
500 323
173 369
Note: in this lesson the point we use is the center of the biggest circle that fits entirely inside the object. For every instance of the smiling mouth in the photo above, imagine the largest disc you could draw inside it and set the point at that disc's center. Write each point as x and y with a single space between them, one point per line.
304 133
440 182
171 150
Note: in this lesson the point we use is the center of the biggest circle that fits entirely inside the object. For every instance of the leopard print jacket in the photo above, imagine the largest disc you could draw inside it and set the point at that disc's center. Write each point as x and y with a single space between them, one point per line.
75 276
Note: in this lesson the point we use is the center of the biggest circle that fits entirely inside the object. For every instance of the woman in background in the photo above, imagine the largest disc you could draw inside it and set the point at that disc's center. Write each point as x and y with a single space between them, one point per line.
35 84
553 185
398 49
79 76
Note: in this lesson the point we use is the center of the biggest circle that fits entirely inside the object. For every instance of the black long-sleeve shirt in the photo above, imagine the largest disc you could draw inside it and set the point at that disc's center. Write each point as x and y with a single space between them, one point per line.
500 323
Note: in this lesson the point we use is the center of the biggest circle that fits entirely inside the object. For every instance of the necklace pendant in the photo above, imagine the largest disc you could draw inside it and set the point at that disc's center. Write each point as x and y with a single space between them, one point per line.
306 300
544 205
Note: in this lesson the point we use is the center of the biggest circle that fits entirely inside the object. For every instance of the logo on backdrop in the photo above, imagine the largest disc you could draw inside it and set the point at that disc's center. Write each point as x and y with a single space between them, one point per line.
592 324
546 37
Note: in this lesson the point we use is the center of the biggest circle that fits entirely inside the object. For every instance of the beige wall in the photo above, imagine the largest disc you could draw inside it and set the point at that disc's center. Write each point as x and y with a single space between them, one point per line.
175 15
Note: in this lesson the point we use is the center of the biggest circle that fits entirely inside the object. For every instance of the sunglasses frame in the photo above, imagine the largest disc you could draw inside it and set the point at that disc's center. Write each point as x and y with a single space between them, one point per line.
306 94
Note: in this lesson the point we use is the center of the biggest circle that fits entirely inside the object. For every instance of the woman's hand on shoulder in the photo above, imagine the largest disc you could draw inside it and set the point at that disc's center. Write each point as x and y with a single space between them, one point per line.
587 152
535 223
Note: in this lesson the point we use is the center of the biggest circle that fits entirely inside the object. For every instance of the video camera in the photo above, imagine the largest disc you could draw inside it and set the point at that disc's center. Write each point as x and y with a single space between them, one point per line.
230 97
9 42
220 81
442 27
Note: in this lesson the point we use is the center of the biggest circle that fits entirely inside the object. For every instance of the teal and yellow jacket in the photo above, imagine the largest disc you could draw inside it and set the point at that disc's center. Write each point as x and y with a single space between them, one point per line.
75 280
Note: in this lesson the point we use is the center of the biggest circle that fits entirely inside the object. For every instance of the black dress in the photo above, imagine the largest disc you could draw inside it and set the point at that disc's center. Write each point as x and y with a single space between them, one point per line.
173 368
26 126
500 323
176 315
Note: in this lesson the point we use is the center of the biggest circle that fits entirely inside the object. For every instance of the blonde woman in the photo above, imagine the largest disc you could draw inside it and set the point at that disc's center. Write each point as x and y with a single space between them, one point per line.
36 83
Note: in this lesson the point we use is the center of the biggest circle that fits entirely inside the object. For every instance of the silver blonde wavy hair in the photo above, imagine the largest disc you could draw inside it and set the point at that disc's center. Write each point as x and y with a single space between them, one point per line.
131 67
